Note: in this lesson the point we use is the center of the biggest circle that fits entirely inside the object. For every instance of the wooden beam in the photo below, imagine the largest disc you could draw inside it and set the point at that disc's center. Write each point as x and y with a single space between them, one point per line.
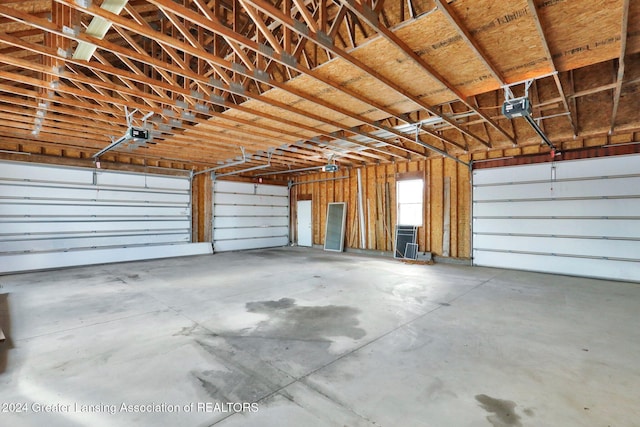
270 10
262 27
621 65
188 14
453 19
306 15
400 44
545 45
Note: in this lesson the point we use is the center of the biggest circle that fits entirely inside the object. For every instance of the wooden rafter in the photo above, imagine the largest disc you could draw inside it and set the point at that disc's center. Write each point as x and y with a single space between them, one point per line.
545 45
280 77
470 41
621 64
395 40
313 36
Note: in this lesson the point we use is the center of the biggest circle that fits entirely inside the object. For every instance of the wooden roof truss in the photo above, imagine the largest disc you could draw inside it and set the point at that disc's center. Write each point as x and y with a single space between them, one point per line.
304 81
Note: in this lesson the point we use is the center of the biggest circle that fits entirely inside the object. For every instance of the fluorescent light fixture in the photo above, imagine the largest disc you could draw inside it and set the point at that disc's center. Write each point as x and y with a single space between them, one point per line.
182 104
35 132
43 105
59 69
41 113
54 84
168 113
188 116
98 26
197 95
175 123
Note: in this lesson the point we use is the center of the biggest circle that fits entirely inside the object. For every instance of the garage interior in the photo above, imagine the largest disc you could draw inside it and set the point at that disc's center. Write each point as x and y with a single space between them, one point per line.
343 212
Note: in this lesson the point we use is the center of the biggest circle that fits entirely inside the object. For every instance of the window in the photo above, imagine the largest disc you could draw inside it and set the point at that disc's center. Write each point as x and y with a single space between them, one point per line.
410 195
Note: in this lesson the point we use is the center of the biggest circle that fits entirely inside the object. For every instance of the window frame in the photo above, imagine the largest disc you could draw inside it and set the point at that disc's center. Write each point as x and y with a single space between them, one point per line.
410 177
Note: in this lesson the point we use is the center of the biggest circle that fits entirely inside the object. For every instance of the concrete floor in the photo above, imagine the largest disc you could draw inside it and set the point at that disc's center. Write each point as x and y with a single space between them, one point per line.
316 339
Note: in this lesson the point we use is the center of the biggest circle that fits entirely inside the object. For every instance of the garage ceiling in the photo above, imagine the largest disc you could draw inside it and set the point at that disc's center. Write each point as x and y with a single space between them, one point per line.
299 83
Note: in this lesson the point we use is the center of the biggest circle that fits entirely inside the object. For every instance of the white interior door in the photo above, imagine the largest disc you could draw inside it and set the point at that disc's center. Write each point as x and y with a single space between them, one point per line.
304 223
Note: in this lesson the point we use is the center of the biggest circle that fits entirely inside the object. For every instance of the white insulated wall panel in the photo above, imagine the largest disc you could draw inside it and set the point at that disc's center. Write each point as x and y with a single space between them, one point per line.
578 217
52 216
249 216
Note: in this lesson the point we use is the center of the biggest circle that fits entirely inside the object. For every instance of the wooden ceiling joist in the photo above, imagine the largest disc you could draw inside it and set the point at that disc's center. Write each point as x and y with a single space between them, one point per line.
621 64
302 81
556 78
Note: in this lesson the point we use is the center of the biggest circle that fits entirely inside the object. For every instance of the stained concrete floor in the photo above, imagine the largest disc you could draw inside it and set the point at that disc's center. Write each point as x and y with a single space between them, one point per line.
316 339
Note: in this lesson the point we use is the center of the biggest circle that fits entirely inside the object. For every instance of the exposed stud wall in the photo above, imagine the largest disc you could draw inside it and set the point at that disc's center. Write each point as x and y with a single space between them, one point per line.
201 208
379 202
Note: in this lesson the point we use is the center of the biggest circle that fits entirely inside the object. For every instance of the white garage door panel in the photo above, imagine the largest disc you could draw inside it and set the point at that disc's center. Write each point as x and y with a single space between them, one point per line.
249 216
250 233
33 172
606 166
620 249
120 180
25 191
258 211
243 244
249 221
21 209
169 183
148 182
91 241
249 199
46 260
587 267
10 228
247 188
611 187
586 225
560 208
560 227
60 216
